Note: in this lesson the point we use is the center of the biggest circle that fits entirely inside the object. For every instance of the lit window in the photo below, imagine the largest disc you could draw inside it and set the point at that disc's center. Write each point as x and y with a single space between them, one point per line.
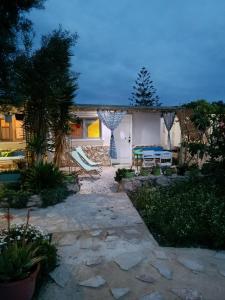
86 129
19 130
4 130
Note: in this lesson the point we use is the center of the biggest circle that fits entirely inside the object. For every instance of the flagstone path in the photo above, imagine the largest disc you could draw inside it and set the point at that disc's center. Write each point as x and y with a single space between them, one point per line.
106 252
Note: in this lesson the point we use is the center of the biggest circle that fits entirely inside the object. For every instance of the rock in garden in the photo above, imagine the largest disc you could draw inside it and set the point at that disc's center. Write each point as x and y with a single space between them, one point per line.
192 265
163 181
146 278
119 292
93 282
152 296
163 269
187 294
127 261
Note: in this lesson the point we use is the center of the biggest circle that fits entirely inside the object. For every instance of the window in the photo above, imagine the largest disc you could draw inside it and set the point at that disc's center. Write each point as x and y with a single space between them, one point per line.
19 130
86 129
4 130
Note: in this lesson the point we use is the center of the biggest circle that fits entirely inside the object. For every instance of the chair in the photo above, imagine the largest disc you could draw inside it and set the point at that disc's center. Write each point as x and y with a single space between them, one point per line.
80 151
166 158
87 168
148 158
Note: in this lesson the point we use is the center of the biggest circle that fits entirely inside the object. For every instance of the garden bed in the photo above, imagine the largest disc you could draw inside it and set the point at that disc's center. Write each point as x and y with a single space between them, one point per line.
186 214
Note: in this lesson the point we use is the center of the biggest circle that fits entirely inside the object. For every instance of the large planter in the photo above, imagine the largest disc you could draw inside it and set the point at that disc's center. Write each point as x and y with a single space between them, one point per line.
10 177
21 289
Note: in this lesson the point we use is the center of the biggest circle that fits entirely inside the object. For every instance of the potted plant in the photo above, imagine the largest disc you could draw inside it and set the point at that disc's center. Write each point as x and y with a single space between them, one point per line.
19 267
24 250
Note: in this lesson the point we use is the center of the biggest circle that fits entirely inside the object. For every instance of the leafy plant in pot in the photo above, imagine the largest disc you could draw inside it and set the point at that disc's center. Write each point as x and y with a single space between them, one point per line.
24 250
19 267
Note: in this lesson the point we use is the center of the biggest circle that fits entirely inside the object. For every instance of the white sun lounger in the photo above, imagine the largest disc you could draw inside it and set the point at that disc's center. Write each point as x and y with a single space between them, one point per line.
80 151
78 160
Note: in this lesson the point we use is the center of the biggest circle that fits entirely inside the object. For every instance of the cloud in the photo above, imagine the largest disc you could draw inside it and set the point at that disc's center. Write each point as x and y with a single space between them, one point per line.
181 43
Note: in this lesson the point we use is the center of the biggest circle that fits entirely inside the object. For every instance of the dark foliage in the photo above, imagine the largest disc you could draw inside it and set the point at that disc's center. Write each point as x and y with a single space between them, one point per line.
189 213
54 196
124 173
15 30
42 176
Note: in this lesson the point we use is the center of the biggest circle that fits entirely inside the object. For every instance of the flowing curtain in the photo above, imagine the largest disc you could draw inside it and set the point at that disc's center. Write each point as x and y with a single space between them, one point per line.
111 119
169 119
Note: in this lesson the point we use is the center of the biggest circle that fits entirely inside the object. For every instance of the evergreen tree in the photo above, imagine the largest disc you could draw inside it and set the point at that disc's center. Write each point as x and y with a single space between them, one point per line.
144 93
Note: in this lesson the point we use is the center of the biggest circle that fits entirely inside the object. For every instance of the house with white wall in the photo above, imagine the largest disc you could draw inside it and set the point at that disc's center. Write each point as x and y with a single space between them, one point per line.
139 126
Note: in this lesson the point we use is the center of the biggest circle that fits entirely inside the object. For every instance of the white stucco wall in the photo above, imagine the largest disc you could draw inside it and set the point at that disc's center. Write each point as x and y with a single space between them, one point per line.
146 128
175 134
106 134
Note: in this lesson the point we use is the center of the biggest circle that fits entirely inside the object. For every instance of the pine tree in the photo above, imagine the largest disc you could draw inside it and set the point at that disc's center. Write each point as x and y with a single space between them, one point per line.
144 93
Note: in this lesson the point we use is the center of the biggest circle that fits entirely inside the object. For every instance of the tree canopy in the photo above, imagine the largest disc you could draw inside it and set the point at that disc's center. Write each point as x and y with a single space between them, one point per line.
144 93
15 29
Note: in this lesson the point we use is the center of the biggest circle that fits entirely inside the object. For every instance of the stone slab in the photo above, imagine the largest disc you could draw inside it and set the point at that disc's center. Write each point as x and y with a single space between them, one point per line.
163 269
61 275
93 282
146 278
152 296
187 294
190 264
127 261
94 261
119 292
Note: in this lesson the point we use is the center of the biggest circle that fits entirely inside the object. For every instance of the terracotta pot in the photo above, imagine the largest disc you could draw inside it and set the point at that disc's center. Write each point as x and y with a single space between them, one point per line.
21 289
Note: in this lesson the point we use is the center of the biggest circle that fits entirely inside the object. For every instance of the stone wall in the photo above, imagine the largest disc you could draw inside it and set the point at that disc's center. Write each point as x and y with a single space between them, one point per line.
98 154
129 185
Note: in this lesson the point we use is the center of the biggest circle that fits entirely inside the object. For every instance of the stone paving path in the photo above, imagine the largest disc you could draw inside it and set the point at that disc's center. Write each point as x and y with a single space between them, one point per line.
106 252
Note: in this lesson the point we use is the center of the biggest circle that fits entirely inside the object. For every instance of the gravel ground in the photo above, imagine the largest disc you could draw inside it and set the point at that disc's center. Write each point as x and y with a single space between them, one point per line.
103 184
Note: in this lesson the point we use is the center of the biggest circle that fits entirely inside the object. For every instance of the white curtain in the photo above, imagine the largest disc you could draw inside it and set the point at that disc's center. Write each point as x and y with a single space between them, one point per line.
111 119
169 120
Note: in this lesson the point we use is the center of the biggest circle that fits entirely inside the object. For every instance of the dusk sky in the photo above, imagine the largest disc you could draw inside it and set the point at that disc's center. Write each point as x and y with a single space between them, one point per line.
182 44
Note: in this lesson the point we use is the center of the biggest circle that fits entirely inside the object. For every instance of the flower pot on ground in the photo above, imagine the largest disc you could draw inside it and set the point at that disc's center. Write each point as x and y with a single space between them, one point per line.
24 250
21 289
19 267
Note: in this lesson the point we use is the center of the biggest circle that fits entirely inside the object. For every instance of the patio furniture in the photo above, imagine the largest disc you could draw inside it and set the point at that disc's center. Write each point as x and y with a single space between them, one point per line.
166 158
149 158
152 158
80 151
83 164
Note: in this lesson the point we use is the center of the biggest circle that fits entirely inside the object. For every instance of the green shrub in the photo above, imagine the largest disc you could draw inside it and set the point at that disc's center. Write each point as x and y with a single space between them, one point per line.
187 213
124 173
42 176
14 198
144 172
54 196
156 170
